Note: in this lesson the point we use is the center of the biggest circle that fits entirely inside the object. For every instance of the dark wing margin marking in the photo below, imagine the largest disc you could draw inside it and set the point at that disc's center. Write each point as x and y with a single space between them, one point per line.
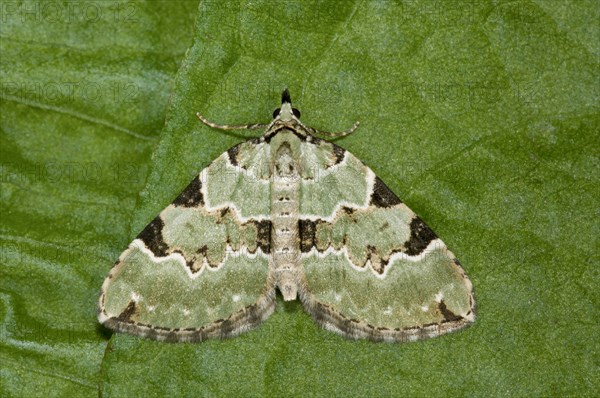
333 320
382 196
152 237
245 319
420 236
233 154
127 313
448 315
339 152
191 195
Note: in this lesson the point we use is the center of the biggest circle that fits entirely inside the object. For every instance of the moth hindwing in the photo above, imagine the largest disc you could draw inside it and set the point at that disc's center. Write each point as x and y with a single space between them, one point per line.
293 212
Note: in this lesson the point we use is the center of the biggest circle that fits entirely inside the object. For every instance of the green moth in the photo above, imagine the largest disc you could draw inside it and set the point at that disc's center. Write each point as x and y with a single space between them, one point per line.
293 212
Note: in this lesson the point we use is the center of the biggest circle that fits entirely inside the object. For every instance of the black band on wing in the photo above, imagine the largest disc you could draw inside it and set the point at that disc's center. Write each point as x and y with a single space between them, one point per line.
152 237
448 315
191 195
233 154
307 229
339 152
263 235
420 237
382 196
127 313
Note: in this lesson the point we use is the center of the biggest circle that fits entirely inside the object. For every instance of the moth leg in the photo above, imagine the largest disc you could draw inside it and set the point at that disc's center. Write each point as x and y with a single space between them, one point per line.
231 127
336 134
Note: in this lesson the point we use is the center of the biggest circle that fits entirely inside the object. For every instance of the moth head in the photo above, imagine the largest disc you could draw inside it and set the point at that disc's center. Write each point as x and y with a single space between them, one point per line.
286 112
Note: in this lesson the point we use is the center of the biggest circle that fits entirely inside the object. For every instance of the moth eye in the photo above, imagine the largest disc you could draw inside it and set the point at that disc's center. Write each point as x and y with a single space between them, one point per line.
296 112
276 112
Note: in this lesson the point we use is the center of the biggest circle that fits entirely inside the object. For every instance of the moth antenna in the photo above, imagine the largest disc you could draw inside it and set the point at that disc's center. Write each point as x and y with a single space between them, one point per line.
336 134
253 126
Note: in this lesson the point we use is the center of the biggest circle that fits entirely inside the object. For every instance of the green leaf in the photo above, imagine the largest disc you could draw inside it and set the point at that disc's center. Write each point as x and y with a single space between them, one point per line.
84 89
483 117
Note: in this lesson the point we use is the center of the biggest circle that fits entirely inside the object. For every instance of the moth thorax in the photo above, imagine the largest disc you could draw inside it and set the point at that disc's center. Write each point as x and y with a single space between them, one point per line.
285 166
